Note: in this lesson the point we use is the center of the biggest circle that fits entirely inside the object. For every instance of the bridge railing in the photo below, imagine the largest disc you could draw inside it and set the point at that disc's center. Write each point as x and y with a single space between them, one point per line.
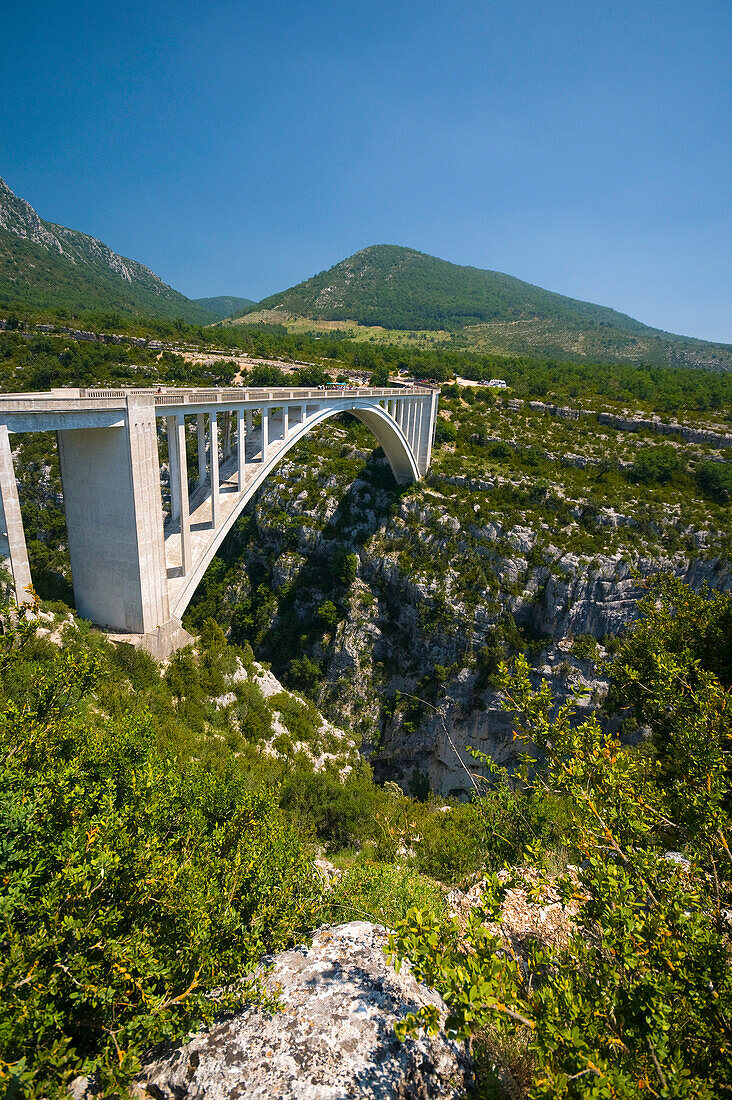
98 397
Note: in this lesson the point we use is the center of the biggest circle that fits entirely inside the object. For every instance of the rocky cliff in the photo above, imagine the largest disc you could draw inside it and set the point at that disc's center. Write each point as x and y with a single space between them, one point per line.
522 551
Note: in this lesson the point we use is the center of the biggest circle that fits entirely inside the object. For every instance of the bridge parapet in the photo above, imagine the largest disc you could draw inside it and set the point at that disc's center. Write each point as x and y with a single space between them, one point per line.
133 571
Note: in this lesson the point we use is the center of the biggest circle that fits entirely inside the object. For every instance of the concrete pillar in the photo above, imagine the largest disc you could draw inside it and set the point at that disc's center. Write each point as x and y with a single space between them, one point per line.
173 467
265 433
13 520
182 472
421 410
201 435
285 422
241 448
432 428
114 518
213 448
226 435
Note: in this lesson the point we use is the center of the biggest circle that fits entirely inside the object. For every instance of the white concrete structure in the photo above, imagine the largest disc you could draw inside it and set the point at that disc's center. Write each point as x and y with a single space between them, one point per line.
132 573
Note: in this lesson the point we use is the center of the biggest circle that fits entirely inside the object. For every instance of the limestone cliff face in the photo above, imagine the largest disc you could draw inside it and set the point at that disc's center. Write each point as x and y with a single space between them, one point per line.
402 632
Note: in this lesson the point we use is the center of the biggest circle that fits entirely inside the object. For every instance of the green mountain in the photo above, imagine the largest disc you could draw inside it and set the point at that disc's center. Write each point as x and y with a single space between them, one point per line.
47 266
399 288
224 306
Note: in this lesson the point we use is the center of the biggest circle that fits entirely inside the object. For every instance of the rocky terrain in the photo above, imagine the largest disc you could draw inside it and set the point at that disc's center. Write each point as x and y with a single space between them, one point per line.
333 1035
531 533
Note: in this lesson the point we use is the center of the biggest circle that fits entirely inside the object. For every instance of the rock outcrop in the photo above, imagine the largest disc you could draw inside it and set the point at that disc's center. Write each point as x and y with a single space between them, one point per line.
333 1037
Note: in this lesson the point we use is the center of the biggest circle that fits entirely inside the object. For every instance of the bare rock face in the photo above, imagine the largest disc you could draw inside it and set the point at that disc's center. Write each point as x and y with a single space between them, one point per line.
332 1039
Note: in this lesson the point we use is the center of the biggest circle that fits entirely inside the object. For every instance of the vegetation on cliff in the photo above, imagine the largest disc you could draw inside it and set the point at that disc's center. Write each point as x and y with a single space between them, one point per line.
639 999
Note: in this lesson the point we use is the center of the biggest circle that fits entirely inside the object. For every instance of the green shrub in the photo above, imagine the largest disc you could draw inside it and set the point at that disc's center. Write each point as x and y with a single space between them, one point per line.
656 464
715 480
585 647
385 892
132 885
301 719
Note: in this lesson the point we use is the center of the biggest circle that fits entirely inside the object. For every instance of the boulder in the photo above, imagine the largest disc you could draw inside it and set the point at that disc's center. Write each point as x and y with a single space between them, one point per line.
333 1037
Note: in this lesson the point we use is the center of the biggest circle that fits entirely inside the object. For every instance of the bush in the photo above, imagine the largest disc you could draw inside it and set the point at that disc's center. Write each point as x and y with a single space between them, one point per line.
338 814
132 886
715 480
585 647
385 893
658 464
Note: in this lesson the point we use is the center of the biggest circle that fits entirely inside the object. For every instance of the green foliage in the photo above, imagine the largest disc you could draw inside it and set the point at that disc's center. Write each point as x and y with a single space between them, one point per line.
339 814
305 674
133 886
656 464
385 893
329 616
300 718
640 1001
585 647
344 567
380 376
715 480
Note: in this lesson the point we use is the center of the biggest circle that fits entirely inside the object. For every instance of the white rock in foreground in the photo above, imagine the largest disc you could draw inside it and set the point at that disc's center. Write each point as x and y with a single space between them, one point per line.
332 1039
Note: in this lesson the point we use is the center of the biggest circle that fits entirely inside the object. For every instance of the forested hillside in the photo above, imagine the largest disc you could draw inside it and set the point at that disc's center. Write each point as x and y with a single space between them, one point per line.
399 288
49 267
224 305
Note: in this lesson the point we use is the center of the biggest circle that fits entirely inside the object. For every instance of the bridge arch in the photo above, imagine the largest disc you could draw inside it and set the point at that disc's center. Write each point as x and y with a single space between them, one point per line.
385 429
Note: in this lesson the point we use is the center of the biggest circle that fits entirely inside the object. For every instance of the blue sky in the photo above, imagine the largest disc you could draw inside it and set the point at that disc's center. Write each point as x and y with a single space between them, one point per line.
237 148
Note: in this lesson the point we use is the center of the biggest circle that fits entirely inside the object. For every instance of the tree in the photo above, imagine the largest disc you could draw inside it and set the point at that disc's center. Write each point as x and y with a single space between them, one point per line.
380 376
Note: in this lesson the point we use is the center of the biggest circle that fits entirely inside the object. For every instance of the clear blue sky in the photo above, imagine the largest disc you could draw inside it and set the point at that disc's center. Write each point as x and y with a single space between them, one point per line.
238 147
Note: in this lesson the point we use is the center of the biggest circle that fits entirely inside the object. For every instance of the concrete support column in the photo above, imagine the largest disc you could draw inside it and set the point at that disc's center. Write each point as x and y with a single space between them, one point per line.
432 429
265 433
182 472
201 435
241 448
213 447
421 410
226 435
409 415
114 518
173 467
13 521
285 422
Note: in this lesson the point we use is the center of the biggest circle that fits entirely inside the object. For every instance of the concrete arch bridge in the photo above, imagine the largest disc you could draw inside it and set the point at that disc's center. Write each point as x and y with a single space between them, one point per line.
134 573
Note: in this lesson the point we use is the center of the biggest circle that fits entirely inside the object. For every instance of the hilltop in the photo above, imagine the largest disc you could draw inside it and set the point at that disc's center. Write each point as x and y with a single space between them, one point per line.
402 289
50 267
224 305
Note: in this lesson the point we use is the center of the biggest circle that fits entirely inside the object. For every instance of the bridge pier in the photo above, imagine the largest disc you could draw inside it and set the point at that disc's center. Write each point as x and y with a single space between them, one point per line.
241 449
12 522
213 451
111 483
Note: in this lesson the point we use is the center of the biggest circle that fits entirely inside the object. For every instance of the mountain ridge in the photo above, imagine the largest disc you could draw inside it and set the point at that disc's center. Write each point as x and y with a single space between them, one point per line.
44 265
399 288
224 305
